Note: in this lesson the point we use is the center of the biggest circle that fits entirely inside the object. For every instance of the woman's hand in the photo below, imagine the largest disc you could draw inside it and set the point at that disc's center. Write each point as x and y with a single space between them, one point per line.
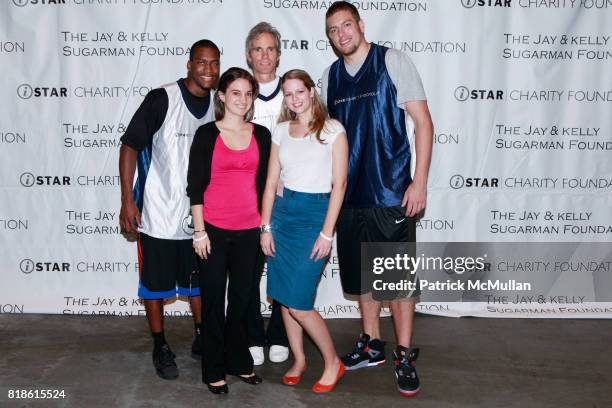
321 249
267 243
201 244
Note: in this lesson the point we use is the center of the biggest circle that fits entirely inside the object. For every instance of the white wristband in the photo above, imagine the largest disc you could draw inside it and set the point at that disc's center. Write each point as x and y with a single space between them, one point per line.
202 238
325 237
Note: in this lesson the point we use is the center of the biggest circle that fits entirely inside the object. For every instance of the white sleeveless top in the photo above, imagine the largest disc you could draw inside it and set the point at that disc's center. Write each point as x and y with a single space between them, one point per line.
306 164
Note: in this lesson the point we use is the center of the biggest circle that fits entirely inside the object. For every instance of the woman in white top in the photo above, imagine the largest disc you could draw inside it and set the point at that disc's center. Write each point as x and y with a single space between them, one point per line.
309 155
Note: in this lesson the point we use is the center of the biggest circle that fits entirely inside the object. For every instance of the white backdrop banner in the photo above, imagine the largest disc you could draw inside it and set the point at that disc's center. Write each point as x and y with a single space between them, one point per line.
520 92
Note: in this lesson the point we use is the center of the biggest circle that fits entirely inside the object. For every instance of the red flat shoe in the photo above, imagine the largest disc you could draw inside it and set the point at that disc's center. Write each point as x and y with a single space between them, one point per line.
293 380
320 388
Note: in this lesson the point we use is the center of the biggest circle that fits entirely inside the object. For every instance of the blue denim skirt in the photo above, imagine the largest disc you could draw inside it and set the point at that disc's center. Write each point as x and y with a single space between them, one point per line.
297 219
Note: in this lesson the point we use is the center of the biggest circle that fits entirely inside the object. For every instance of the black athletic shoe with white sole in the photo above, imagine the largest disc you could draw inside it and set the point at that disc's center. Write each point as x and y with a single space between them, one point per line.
163 360
405 372
367 353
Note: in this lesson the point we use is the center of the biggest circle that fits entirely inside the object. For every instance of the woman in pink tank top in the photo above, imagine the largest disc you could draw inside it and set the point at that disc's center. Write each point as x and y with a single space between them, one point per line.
226 178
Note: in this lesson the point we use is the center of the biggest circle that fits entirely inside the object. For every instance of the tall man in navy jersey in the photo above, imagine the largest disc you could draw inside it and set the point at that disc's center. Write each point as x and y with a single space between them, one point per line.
370 89
158 140
262 48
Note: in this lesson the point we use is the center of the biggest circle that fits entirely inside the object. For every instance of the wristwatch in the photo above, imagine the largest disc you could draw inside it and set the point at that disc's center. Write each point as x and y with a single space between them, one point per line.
265 228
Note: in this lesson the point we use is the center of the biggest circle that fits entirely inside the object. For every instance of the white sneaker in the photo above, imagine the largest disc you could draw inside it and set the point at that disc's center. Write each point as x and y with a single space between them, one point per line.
278 354
258 355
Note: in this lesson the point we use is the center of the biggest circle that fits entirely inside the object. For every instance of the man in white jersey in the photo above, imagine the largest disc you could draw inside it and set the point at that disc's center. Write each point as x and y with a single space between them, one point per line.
156 207
263 55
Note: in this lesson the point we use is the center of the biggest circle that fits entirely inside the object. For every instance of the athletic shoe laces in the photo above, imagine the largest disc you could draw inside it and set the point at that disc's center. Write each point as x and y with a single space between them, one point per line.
358 350
166 357
405 368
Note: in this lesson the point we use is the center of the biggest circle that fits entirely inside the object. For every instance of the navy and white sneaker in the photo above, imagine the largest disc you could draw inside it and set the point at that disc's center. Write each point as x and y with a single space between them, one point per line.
367 353
405 372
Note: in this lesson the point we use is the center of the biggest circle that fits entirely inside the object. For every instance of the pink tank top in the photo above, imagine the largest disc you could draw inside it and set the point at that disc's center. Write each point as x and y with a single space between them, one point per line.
230 200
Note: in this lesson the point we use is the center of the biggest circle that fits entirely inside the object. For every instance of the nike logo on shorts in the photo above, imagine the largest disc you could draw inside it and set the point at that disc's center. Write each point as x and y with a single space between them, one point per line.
400 220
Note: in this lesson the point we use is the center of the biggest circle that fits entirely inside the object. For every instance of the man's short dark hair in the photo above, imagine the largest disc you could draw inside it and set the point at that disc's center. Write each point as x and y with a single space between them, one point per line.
343 6
202 44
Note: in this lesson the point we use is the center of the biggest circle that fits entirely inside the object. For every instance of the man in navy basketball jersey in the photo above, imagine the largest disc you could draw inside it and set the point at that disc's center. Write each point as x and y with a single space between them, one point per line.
370 89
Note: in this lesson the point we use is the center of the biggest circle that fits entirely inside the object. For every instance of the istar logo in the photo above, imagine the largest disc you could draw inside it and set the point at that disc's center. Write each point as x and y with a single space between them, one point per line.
28 266
458 181
486 3
29 180
22 3
463 93
26 91
294 44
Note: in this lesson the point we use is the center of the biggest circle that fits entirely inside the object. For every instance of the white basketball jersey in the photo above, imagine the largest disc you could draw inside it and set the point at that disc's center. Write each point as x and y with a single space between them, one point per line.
166 209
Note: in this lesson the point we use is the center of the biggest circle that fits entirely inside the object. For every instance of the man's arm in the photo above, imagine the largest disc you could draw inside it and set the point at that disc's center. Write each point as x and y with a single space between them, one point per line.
415 197
129 216
146 121
412 99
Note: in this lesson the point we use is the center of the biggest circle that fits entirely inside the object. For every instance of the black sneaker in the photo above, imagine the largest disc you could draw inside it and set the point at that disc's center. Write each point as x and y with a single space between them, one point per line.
163 360
367 353
405 371
196 348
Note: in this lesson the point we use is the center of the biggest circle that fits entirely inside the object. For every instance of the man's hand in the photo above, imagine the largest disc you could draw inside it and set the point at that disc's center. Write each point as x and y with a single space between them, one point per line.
415 198
129 217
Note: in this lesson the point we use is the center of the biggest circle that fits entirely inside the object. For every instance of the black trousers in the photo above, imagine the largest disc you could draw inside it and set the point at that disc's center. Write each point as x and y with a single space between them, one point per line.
276 333
224 338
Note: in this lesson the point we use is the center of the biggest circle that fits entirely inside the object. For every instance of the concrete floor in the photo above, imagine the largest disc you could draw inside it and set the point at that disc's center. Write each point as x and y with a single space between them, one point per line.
106 362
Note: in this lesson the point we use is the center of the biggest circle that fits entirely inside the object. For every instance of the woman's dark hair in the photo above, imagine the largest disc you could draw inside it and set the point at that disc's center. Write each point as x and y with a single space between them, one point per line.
226 79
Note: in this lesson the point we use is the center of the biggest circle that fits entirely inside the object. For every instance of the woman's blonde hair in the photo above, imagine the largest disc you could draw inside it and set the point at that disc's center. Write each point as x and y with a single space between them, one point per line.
319 111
